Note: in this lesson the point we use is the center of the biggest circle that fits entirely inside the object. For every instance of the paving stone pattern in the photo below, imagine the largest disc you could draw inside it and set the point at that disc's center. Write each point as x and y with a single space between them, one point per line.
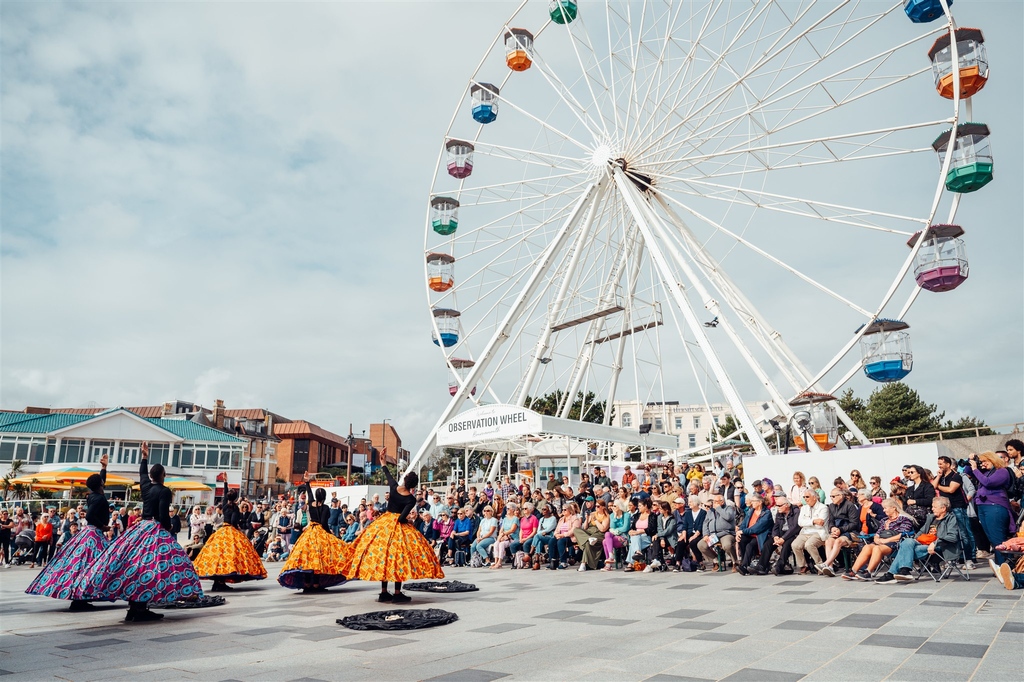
547 625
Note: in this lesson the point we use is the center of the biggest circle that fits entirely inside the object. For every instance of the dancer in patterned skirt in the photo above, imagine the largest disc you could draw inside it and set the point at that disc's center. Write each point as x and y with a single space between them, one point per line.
314 564
228 556
58 578
146 563
391 549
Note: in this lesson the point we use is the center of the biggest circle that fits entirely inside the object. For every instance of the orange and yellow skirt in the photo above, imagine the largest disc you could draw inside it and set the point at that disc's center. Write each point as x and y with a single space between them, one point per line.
315 560
229 556
392 551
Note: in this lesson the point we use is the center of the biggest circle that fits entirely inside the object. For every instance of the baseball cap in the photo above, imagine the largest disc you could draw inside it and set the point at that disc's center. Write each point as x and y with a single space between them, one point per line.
679 500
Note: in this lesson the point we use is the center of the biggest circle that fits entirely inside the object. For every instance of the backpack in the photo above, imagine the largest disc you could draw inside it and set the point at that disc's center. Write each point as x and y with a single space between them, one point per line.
688 565
1015 490
460 557
519 561
476 561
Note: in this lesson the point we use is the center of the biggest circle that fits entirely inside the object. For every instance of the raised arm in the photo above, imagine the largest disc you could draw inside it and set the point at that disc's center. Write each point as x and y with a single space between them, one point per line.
144 481
390 478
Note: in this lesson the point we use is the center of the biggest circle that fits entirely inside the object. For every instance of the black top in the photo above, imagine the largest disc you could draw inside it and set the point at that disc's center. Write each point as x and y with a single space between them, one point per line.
922 494
956 499
229 508
97 508
156 499
398 503
318 513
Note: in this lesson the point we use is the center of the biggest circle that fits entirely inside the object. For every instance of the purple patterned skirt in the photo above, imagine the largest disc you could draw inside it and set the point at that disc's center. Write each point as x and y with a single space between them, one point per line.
145 564
58 578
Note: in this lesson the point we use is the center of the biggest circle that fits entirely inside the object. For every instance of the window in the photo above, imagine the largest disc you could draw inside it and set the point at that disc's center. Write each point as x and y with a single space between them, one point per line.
300 456
176 456
100 448
6 449
658 426
693 440
627 419
679 422
36 451
187 455
129 453
236 458
225 458
160 453
696 422
200 461
716 420
71 450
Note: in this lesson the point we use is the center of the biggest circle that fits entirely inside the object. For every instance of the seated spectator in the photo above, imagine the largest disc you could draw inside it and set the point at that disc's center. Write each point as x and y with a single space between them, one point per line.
352 531
882 544
720 529
508 533
560 544
275 551
547 524
196 545
444 526
844 521
812 520
784 531
528 525
590 537
462 533
753 532
617 535
876 492
642 528
664 538
486 534
942 534
692 533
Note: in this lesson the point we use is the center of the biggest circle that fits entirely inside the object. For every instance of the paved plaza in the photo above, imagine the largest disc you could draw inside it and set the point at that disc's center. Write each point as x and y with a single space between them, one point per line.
543 625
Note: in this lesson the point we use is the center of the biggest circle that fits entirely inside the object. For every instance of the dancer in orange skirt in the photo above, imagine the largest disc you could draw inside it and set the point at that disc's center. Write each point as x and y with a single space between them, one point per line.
228 556
391 549
315 562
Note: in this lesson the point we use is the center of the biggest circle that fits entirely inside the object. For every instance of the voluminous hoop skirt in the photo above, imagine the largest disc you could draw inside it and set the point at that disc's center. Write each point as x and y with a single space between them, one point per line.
392 551
229 556
144 564
315 560
58 578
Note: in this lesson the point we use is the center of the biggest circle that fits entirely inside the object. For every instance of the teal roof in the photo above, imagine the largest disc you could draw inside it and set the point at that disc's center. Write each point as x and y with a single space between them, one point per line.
192 431
42 423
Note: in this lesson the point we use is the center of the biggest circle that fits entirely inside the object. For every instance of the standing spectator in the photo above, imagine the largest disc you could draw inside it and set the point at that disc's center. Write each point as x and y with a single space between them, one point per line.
6 533
44 534
992 501
950 485
175 522
334 520
195 521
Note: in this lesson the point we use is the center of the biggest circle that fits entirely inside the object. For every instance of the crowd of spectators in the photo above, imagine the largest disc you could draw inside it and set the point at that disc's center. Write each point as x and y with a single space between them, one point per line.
659 517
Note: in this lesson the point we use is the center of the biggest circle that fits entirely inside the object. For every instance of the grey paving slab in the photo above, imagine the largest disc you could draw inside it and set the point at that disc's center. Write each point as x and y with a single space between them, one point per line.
804 625
262 631
501 628
686 586
1013 627
662 677
954 649
696 625
872 621
895 641
909 595
793 583
602 620
562 615
856 600
718 637
758 675
806 600
741 589
374 644
324 635
1000 597
184 637
468 675
100 631
307 679
685 613
944 604
798 593
91 644
591 600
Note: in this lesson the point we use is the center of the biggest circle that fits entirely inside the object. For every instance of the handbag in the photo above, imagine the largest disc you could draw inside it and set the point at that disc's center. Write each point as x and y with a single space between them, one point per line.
885 534
927 538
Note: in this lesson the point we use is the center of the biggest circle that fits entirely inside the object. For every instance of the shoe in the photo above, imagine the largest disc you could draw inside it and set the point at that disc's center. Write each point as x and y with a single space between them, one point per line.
385 597
141 616
675 569
885 578
849 575
827 571
743 570
649 569
862 574
563 566
593 541
77 605
1006 576
628 569
982 554
221 587
904 576
400 598
583 567
969 565
655 564
760 572
804 570
994 566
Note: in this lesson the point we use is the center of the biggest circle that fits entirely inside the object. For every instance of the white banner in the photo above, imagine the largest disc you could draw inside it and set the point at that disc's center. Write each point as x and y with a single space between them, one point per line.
490 422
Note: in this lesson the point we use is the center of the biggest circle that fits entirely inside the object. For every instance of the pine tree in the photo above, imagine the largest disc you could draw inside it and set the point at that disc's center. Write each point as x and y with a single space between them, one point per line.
896 409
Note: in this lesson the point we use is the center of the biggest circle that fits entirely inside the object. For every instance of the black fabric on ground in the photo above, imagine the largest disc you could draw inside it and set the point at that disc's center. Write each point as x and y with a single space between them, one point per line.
446 586
399 619
203 602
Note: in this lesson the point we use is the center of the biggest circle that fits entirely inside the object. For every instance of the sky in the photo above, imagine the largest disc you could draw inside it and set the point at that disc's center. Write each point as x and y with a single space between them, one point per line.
226 200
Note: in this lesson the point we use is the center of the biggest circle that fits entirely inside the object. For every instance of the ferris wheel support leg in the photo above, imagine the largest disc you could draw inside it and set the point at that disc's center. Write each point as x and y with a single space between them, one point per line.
556 308
712 306
634 277
511 317
648 228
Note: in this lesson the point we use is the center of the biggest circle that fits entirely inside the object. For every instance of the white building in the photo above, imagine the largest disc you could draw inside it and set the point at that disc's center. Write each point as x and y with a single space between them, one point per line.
691 423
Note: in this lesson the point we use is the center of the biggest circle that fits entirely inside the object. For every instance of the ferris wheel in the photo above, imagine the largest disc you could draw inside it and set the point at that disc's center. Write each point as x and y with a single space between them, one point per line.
640 200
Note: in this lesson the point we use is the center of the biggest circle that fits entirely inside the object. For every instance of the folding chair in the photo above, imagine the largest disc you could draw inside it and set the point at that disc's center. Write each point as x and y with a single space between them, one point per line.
938 568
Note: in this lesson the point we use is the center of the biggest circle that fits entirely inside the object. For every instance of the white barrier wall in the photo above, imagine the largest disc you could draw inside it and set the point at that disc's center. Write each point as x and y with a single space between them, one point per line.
885 461
352 495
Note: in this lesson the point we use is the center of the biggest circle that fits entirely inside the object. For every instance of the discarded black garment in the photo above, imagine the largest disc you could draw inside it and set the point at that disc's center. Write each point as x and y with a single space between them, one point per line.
446 586
400 619
203 602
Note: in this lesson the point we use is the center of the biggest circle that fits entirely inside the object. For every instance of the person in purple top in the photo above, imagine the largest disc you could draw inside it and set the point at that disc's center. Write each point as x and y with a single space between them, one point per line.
991 500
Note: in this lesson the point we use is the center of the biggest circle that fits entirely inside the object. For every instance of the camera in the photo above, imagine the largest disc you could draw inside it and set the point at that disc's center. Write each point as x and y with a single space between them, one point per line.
962 463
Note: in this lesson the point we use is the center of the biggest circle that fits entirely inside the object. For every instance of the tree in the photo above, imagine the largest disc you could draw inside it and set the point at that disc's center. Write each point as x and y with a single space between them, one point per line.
966 423
16 490
896 410
551 403
854 407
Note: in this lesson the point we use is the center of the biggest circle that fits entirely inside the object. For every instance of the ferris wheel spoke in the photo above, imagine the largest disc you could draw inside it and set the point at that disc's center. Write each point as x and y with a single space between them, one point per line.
506 191
543 124
819 210
529 156
767 256
577 32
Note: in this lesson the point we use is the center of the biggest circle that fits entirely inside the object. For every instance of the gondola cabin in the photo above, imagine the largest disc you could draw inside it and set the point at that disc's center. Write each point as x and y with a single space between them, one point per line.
941 262
461 367
822 422
885 350
971 166
923 11
447 322
440 271
972 57
562 11
518 49
484 97
460 158
444 215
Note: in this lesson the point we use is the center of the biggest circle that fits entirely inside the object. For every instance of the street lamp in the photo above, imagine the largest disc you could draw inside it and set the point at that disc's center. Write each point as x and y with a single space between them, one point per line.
383 440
